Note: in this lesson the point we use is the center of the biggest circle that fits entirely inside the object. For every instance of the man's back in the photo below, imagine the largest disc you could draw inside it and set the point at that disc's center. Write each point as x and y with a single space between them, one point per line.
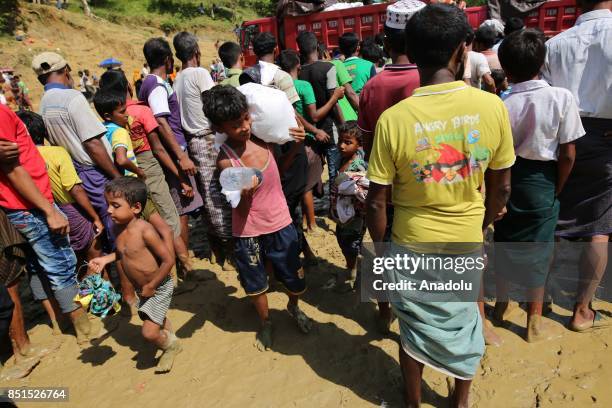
70 122
434 148
360 70
322 77
580 59
394 84
189 85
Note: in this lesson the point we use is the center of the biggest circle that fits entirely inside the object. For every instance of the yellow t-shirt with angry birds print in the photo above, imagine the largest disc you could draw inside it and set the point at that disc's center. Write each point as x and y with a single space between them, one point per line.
434 148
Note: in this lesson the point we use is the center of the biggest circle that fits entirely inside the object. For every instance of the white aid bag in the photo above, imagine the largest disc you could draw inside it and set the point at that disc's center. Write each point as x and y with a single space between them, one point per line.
271 112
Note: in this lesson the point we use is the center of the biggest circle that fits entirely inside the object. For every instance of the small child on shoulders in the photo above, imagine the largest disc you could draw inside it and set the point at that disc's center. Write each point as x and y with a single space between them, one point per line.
111 106
348 193
146 261
264 235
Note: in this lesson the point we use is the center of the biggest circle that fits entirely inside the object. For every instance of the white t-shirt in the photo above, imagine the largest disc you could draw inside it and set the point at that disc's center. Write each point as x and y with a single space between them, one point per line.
189 85
542 117
476 67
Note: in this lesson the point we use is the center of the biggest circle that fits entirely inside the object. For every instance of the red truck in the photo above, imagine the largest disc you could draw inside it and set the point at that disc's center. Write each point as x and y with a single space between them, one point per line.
552 17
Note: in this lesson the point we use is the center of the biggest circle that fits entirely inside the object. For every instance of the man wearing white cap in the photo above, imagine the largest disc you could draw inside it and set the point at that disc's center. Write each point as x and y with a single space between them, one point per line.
398 79
73 125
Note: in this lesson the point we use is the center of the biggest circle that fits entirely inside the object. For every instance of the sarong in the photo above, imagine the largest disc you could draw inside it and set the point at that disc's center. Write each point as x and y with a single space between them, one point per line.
81 228
531 219
216 210
94 182
586 200
445 335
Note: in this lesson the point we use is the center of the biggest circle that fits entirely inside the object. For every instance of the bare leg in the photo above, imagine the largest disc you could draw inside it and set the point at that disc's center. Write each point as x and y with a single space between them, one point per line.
491 338
308 209
17 330
460 398
592 267
185 229
384 317
263 339
51 312
412 372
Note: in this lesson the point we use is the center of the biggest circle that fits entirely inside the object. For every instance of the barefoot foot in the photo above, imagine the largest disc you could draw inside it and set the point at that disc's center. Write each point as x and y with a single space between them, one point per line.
304 322
263 339
491 338
539 329
166 361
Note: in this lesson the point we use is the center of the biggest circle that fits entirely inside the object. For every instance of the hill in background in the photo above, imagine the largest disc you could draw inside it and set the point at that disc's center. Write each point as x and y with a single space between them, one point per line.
84 41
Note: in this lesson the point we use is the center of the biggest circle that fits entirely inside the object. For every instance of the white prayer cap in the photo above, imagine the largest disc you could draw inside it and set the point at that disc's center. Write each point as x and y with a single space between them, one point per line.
400 12
495 24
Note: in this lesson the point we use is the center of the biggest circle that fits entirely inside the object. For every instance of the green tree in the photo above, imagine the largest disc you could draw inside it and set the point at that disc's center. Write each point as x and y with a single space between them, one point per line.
10 16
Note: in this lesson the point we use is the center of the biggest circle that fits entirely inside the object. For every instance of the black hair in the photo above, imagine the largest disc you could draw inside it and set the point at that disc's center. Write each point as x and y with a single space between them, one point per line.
155 51
229 52
396 40
44 78
185 45
223 103
114 80
513 24
131 189
371 52
522 54
348 43
486 36
307 43
264 44
107 100
35 125
498 76
351 129
379 39
80 73
289 59
428 45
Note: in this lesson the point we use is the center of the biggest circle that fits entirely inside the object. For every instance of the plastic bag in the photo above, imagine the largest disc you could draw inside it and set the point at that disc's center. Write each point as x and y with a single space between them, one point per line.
271 112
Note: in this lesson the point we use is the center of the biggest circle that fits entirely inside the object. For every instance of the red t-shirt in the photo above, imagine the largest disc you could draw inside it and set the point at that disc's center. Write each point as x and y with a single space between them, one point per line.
13 130
394 84
143 122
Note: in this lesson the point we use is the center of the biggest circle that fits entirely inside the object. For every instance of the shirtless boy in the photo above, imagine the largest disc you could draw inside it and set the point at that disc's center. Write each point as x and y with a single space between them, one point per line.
146 261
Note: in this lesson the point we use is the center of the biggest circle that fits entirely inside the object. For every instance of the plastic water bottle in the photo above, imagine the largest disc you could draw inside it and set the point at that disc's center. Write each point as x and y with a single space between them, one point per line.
238 178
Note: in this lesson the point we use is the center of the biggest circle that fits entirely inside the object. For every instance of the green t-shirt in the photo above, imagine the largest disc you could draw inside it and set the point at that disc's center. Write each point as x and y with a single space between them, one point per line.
307 97
344 78
360 70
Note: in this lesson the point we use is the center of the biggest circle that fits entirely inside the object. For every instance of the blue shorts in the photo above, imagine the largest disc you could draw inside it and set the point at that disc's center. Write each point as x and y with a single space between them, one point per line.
281 249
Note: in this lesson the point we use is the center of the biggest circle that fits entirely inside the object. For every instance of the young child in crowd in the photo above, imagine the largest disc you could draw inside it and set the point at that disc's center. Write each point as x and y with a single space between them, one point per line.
501 82
232 57
264 235
545 124
69 195
111 107
146 261
352 167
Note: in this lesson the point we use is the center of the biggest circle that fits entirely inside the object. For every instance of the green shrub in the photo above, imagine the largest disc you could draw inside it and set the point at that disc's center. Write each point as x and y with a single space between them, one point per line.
10 16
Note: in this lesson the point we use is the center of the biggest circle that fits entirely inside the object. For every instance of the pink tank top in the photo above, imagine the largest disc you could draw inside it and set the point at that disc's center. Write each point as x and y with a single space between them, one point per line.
268 212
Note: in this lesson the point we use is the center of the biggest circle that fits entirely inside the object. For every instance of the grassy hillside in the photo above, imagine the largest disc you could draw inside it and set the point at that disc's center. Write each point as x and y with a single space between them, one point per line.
85 42
171 14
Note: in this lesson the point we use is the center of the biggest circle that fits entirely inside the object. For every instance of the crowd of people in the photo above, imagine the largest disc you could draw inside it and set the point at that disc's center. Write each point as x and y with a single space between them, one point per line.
432 136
